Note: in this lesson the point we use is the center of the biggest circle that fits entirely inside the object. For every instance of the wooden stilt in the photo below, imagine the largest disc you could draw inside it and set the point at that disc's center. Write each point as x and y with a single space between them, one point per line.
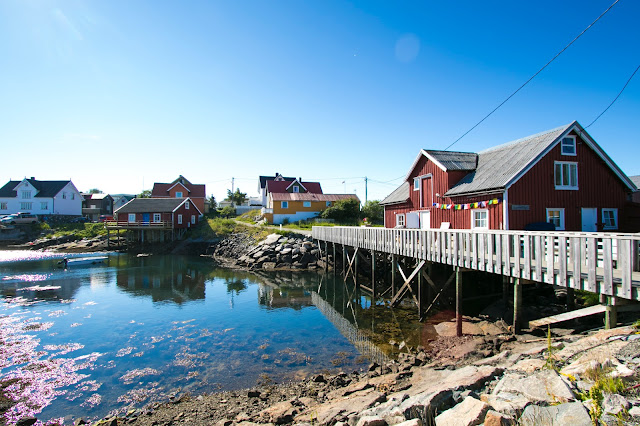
517 305
344 260
373 276
333 245
571 299
611 313
326 256
458 302
505 290
393 273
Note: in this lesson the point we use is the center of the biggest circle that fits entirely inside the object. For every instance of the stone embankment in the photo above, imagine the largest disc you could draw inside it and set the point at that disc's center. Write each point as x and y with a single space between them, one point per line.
492 380
274 252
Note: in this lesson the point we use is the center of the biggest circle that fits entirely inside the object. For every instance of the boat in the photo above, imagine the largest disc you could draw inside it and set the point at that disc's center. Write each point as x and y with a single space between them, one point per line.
82 261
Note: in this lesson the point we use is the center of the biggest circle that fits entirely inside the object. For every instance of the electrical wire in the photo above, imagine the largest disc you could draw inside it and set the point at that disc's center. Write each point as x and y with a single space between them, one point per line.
616 98
533 76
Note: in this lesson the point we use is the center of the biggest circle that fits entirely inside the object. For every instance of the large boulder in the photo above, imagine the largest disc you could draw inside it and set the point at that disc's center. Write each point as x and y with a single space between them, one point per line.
572 413
470 412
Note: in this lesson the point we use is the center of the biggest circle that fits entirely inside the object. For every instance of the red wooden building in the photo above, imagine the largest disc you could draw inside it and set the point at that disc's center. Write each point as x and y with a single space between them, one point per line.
181 188
167 213
561 176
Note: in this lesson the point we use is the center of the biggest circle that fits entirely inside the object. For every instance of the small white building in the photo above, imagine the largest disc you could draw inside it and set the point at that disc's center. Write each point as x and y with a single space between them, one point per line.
40 197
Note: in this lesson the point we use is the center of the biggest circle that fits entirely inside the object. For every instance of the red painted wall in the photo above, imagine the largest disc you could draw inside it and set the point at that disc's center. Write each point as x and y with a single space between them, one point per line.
598 187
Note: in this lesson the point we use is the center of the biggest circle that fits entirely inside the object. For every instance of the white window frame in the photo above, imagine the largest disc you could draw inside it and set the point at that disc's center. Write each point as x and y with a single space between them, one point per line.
193 219
296 189
474 213
416 184
25 195
306 204
44 205
157 217
571 145
284 204
560 166
179 219
24 206
614 217
400 219
560 226
132 218
179 194
186 205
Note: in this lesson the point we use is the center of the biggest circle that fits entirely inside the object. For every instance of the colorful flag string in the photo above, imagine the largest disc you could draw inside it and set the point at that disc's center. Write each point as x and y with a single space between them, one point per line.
467 206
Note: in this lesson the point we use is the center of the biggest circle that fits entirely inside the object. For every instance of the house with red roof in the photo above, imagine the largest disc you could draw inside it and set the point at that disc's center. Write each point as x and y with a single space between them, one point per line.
559 179
181 188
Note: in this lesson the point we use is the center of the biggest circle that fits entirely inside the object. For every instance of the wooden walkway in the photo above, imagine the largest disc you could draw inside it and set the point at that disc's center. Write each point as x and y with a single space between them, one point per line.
602 263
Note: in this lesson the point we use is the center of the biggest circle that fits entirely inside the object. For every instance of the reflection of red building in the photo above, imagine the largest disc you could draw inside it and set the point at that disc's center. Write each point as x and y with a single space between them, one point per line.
181 188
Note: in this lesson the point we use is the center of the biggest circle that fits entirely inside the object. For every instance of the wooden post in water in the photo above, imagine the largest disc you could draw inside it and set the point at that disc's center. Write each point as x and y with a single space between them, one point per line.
571 299
355 267
373 276
393 274
344 260
458 302
505 290
334 257
326 256
517 305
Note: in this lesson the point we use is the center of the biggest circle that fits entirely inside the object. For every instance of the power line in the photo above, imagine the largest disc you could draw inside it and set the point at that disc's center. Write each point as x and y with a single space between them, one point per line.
616 98
533 76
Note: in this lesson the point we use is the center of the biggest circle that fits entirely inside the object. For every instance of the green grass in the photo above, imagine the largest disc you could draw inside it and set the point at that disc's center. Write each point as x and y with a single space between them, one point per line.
213 228
80 230
251 216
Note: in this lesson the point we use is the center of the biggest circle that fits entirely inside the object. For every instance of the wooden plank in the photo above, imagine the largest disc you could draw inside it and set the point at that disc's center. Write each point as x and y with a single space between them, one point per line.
562 261
498 264
516 256
482 265
576 257
625 251
608 268
567 316
527 256
592 264
550 245
538 255
490 251
506 255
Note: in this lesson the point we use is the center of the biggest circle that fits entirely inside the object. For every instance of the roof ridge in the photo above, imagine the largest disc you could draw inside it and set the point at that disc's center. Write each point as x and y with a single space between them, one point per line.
514 142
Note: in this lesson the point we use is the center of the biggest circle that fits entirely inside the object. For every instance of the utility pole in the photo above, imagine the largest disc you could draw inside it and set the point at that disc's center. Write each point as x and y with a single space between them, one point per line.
366 189
232 189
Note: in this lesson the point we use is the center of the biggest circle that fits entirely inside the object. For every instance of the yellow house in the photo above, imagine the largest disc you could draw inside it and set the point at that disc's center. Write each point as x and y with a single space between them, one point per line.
299 205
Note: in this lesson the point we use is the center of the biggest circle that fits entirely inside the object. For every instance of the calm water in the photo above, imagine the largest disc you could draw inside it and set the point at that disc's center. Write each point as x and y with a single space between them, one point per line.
91 340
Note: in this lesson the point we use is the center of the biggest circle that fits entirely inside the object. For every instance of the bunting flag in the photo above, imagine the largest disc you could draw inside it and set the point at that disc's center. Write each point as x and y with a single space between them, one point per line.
467 206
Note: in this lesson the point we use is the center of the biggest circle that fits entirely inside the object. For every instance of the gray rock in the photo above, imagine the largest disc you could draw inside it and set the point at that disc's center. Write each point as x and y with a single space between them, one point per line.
469 412
418 405
614 404
572 413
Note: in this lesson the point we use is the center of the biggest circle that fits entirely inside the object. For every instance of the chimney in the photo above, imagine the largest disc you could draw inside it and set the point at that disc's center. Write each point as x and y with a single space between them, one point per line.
32 178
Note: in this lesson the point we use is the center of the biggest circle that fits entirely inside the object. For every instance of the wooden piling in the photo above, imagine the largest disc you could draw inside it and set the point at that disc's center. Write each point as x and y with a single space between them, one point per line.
458 302
517 305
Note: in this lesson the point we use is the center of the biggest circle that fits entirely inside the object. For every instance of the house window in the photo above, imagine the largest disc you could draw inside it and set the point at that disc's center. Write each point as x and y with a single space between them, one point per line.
3 206
179 219
157 217
178 194
44 205
479 219
25 206
328 203
556 216
64 195
566 175
73 196
400 219
568 145
296 189
25 194
416 184
284 204
186 205
306 203
193 219
132 217
610 218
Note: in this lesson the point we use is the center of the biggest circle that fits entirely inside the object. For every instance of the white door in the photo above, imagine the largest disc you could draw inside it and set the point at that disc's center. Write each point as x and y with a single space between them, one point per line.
589 219
425 220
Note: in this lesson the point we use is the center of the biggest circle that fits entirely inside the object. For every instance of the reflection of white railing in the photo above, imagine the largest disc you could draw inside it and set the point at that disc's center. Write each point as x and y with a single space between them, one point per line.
598 262
349 331
265 210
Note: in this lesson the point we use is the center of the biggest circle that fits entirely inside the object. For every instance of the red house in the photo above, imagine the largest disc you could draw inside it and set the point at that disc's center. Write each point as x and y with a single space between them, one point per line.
158 213
561 176
181 188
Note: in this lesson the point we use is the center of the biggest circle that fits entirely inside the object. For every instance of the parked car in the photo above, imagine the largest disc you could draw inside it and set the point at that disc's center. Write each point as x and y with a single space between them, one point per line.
105 218
19 217
80 219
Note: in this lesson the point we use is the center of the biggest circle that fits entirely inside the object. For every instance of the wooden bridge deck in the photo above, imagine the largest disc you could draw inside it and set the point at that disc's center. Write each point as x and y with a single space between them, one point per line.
602 263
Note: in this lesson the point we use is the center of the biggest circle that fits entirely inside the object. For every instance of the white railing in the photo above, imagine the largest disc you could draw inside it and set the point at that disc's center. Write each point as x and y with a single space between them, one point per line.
602 263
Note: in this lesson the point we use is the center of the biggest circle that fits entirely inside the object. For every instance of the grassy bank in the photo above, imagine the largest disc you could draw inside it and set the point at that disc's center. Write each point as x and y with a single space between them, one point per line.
80 230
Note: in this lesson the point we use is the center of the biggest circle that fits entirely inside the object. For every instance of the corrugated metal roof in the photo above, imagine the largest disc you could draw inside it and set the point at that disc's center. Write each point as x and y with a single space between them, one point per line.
499 165
399 195
452 160
307 196
151 205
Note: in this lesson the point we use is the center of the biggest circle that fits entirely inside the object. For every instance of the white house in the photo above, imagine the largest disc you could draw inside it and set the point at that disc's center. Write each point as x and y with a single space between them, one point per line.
41 197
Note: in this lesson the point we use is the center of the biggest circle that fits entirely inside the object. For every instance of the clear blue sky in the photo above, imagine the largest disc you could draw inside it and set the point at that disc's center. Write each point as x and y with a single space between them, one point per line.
119 94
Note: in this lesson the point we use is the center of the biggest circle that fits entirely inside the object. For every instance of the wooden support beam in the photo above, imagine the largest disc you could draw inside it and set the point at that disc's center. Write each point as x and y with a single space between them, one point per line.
373 276
393 273
333 245
505 290
458 273
611 313
435 299
407 283
344 261
517 305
